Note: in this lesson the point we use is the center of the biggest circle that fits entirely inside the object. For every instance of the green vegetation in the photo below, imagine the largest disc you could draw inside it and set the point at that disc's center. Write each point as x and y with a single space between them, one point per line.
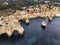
5 8
26 3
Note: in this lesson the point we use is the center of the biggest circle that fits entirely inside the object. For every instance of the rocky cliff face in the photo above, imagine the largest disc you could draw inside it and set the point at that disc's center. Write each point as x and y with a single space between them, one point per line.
9 23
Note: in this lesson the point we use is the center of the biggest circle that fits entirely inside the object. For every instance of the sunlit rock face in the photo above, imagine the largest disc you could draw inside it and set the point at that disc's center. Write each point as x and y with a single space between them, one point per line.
10 23
43 24
10 27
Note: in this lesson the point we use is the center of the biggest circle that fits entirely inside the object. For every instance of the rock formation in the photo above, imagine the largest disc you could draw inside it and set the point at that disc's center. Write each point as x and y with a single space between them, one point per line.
43 24
10 23
27 21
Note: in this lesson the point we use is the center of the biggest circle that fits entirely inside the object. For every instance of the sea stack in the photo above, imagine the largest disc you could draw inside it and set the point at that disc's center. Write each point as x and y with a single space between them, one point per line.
43 24
27 21
50 19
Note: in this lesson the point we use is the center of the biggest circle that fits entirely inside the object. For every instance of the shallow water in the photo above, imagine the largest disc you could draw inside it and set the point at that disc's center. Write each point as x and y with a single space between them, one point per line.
35 35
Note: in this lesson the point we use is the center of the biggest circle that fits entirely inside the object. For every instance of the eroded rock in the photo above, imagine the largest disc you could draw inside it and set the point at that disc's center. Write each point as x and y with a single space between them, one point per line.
43 24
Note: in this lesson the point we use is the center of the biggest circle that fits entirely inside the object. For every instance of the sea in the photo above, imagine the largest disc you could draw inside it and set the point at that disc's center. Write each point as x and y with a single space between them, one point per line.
35 34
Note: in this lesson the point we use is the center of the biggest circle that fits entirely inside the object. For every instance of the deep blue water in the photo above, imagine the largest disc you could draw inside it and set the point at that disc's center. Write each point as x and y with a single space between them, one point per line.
35 35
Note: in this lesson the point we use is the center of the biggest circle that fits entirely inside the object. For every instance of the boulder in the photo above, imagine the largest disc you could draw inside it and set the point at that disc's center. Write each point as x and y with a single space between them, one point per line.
27 21
43 24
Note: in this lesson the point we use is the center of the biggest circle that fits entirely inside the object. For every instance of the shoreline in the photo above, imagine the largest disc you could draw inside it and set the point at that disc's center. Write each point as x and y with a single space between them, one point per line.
11 21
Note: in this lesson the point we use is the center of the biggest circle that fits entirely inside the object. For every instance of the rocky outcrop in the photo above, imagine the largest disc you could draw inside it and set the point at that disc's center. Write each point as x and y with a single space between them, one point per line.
10 23
43 24
27 21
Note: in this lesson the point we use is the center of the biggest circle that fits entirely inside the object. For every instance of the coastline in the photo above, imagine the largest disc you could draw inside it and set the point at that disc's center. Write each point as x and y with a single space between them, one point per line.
24 15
